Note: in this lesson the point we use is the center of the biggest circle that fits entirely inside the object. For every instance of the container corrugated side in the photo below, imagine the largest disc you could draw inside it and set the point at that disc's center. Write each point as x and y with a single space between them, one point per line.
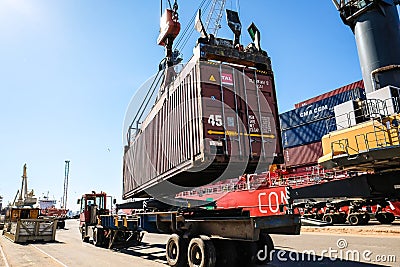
303 155
358 84
306 134
319 110
212 116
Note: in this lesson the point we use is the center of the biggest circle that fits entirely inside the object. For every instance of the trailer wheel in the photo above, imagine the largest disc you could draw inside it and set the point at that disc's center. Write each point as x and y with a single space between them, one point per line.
264 247
84 237
390 217
61 224
227 252
380 217
176 251
98 237
201 252
328 219
354 219
248 253
365 218
342 218
385 217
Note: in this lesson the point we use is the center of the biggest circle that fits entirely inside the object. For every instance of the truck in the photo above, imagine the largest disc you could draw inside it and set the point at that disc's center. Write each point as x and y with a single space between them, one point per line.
201 233
102 228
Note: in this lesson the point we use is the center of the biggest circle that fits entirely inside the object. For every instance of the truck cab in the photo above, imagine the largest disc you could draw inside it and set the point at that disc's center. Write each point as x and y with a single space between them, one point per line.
92 205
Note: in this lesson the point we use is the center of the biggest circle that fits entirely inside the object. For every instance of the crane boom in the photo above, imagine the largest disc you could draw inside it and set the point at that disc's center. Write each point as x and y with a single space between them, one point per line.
213 22
23 197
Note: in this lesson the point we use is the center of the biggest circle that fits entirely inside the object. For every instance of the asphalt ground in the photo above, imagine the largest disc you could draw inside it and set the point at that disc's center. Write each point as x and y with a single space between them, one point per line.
329 246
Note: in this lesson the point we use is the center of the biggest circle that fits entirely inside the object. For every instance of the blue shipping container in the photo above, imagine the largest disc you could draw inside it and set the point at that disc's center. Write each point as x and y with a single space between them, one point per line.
319 110
306 134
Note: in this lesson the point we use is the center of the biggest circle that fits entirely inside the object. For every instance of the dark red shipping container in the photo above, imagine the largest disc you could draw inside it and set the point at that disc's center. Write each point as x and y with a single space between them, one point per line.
358 84
303 155
214 120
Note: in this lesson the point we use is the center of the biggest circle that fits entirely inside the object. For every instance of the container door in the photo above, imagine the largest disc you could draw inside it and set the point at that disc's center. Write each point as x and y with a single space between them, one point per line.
261 117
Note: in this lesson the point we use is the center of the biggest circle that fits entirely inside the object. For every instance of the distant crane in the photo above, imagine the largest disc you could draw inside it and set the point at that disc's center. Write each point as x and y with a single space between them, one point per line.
65 195
23 197
213 22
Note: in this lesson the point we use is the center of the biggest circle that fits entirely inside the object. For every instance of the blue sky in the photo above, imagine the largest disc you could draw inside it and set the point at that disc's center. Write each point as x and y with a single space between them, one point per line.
68 69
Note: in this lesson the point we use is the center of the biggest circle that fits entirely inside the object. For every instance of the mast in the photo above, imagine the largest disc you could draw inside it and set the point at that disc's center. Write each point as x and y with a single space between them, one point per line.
66 177
375 24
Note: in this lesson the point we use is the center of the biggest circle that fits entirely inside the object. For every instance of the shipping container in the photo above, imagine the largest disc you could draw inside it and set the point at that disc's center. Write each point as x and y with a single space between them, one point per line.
303 155
358 84
212 121
322 109
306 134
390 97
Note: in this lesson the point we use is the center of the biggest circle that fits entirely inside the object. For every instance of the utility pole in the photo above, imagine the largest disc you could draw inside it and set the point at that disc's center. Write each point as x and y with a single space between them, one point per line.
65 195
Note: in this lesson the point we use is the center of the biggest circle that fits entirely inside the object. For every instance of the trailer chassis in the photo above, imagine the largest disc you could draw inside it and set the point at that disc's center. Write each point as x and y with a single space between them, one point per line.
200 237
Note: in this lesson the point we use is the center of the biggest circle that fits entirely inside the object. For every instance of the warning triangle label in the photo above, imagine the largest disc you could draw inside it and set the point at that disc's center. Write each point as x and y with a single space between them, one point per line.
212 78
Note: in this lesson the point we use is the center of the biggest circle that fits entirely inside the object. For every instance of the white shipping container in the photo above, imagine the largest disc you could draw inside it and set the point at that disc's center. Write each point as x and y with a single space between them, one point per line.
390 97
345 115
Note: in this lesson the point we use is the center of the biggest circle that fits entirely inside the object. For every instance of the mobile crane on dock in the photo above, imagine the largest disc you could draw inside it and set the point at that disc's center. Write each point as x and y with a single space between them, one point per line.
366 142
22 221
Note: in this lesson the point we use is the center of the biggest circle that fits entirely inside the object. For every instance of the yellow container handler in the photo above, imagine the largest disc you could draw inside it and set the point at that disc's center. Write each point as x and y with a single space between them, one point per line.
370 145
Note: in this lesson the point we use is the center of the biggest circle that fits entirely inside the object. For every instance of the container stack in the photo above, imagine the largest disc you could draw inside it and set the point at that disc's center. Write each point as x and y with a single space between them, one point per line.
304 126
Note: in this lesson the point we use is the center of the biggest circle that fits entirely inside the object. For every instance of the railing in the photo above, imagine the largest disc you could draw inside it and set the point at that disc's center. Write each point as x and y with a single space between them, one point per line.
370 109
255 182
352 8
367 109
344 147
379 138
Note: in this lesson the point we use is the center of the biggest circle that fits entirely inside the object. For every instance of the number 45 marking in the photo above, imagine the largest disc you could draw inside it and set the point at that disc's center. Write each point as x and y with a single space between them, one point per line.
215 120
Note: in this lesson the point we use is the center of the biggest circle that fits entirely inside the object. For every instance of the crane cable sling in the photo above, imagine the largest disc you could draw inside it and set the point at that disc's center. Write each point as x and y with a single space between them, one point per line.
146 99
188 26
192 30
172 7
183 36
152 92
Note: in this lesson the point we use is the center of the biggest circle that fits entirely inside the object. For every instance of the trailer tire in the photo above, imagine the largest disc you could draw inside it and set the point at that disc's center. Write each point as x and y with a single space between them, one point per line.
176 251
365 218
264 247
385 217
61 224
380 217
227 252
248 253
98 237
201 252
390 217
328 219
341 218
83 233
354 219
